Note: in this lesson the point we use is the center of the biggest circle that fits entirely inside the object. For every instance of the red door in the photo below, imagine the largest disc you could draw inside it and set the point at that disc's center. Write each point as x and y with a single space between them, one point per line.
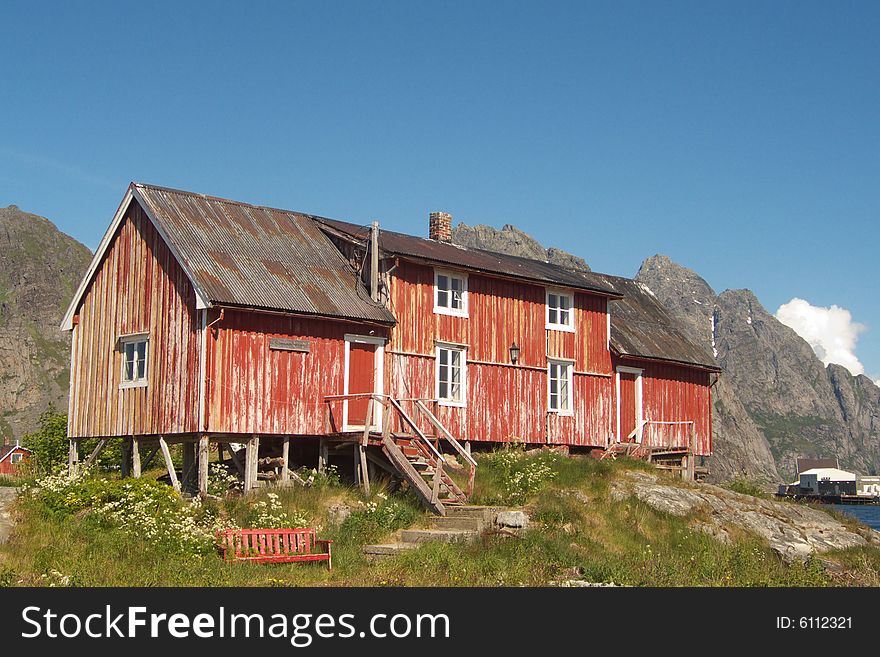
361 378
627 405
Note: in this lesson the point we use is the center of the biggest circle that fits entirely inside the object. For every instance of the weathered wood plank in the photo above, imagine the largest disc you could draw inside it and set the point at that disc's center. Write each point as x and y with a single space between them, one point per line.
166 453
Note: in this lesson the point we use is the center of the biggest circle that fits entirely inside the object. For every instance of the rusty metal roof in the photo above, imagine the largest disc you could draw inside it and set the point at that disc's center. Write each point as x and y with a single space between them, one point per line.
642 328
447 253
257 257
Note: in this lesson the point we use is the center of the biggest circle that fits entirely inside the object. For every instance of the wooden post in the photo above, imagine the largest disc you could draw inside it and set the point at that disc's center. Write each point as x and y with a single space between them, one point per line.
365 472
72 457
204 458
467 447
323 454
692 452
125 458
189 467
146 462
135 457
357 466
166 453
95 453
250 463
285 454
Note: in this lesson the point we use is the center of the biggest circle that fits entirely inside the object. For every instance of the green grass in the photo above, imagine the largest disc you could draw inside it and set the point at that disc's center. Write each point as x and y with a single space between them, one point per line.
578 532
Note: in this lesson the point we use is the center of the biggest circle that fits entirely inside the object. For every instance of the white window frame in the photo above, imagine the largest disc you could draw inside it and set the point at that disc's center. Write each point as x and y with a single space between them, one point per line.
461 349
137 382
446 310
556 326
14 460
569 371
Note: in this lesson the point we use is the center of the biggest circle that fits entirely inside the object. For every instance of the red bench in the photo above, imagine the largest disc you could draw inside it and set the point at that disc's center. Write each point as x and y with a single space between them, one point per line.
273 545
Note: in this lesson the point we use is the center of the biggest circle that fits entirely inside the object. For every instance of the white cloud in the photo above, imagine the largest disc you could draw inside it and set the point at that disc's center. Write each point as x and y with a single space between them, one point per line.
831 332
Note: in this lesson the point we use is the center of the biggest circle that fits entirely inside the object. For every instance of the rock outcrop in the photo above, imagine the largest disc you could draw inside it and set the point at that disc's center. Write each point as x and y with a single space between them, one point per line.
40 268
794 531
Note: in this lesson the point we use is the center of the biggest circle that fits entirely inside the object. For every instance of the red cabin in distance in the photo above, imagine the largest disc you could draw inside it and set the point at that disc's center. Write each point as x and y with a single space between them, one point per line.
12 457
203 320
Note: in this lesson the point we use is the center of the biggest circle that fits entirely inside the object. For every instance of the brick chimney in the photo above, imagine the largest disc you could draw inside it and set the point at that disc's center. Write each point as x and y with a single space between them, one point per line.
440 227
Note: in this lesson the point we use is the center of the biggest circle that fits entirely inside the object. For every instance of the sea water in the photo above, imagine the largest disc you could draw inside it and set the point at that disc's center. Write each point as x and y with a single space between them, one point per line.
866 514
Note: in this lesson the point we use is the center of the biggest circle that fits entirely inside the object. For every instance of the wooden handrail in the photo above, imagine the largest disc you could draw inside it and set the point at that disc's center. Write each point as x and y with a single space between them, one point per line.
418 431
420 404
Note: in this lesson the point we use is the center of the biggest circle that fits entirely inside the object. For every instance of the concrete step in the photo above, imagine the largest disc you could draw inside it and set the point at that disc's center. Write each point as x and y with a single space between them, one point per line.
388 549
458 522
437 535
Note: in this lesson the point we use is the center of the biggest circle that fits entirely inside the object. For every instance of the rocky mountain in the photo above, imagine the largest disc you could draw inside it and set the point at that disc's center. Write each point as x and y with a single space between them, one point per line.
512 240
798 405
40 268
775 400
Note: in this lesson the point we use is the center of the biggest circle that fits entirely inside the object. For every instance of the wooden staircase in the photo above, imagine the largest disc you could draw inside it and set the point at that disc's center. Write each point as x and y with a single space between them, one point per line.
415 453
424 468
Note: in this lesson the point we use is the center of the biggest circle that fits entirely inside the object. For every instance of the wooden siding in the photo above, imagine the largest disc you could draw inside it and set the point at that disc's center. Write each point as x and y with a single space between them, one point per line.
254 389
500 312
674 393
138 287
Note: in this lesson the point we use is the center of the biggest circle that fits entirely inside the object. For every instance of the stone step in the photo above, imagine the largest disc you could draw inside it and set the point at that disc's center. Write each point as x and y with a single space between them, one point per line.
437 535
458 522
388 549
486 513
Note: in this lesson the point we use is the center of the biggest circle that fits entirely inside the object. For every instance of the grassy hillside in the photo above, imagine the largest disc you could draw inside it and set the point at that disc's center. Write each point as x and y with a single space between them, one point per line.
78 536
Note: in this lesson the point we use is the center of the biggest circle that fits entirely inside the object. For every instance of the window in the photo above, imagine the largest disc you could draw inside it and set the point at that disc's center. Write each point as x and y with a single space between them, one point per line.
15 458
135 352
451 375
559 387
450 293
560 315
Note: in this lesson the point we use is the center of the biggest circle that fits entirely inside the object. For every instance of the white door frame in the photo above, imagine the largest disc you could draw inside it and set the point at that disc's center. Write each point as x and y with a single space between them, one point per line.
638 392
378 382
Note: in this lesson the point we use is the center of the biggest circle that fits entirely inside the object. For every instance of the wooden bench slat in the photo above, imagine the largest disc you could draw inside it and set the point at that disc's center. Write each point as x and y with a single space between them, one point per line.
273 545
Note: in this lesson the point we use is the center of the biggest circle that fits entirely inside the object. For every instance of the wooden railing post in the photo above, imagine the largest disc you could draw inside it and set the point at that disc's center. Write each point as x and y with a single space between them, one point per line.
438 474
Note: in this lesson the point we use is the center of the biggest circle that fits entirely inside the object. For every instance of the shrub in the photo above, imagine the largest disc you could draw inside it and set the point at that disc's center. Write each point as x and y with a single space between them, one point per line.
373 520
221 480
148 510
521 475
269 514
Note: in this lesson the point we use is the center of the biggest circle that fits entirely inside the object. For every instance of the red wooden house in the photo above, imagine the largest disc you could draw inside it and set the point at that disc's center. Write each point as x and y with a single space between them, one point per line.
207 320
12 457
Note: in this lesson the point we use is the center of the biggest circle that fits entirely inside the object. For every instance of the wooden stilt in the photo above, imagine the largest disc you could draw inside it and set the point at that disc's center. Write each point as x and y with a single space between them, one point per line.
166 453
236 461
95 453
357 466
323 454
188 476
285 454
365 471
72 457
250 463
135 457
125 458
147 461
467 446
204 458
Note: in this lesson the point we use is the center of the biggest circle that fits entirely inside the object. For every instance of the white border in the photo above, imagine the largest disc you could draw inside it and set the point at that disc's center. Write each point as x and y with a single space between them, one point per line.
569 328
569 364
639 409
443 310
450 346
130 338
378 382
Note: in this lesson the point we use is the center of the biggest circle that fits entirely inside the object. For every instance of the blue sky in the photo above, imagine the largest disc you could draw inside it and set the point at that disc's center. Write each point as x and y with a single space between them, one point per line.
742 139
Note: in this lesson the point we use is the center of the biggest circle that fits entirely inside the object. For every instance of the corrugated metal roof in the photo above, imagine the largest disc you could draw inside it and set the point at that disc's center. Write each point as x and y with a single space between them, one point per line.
642 327
491 262
258 257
